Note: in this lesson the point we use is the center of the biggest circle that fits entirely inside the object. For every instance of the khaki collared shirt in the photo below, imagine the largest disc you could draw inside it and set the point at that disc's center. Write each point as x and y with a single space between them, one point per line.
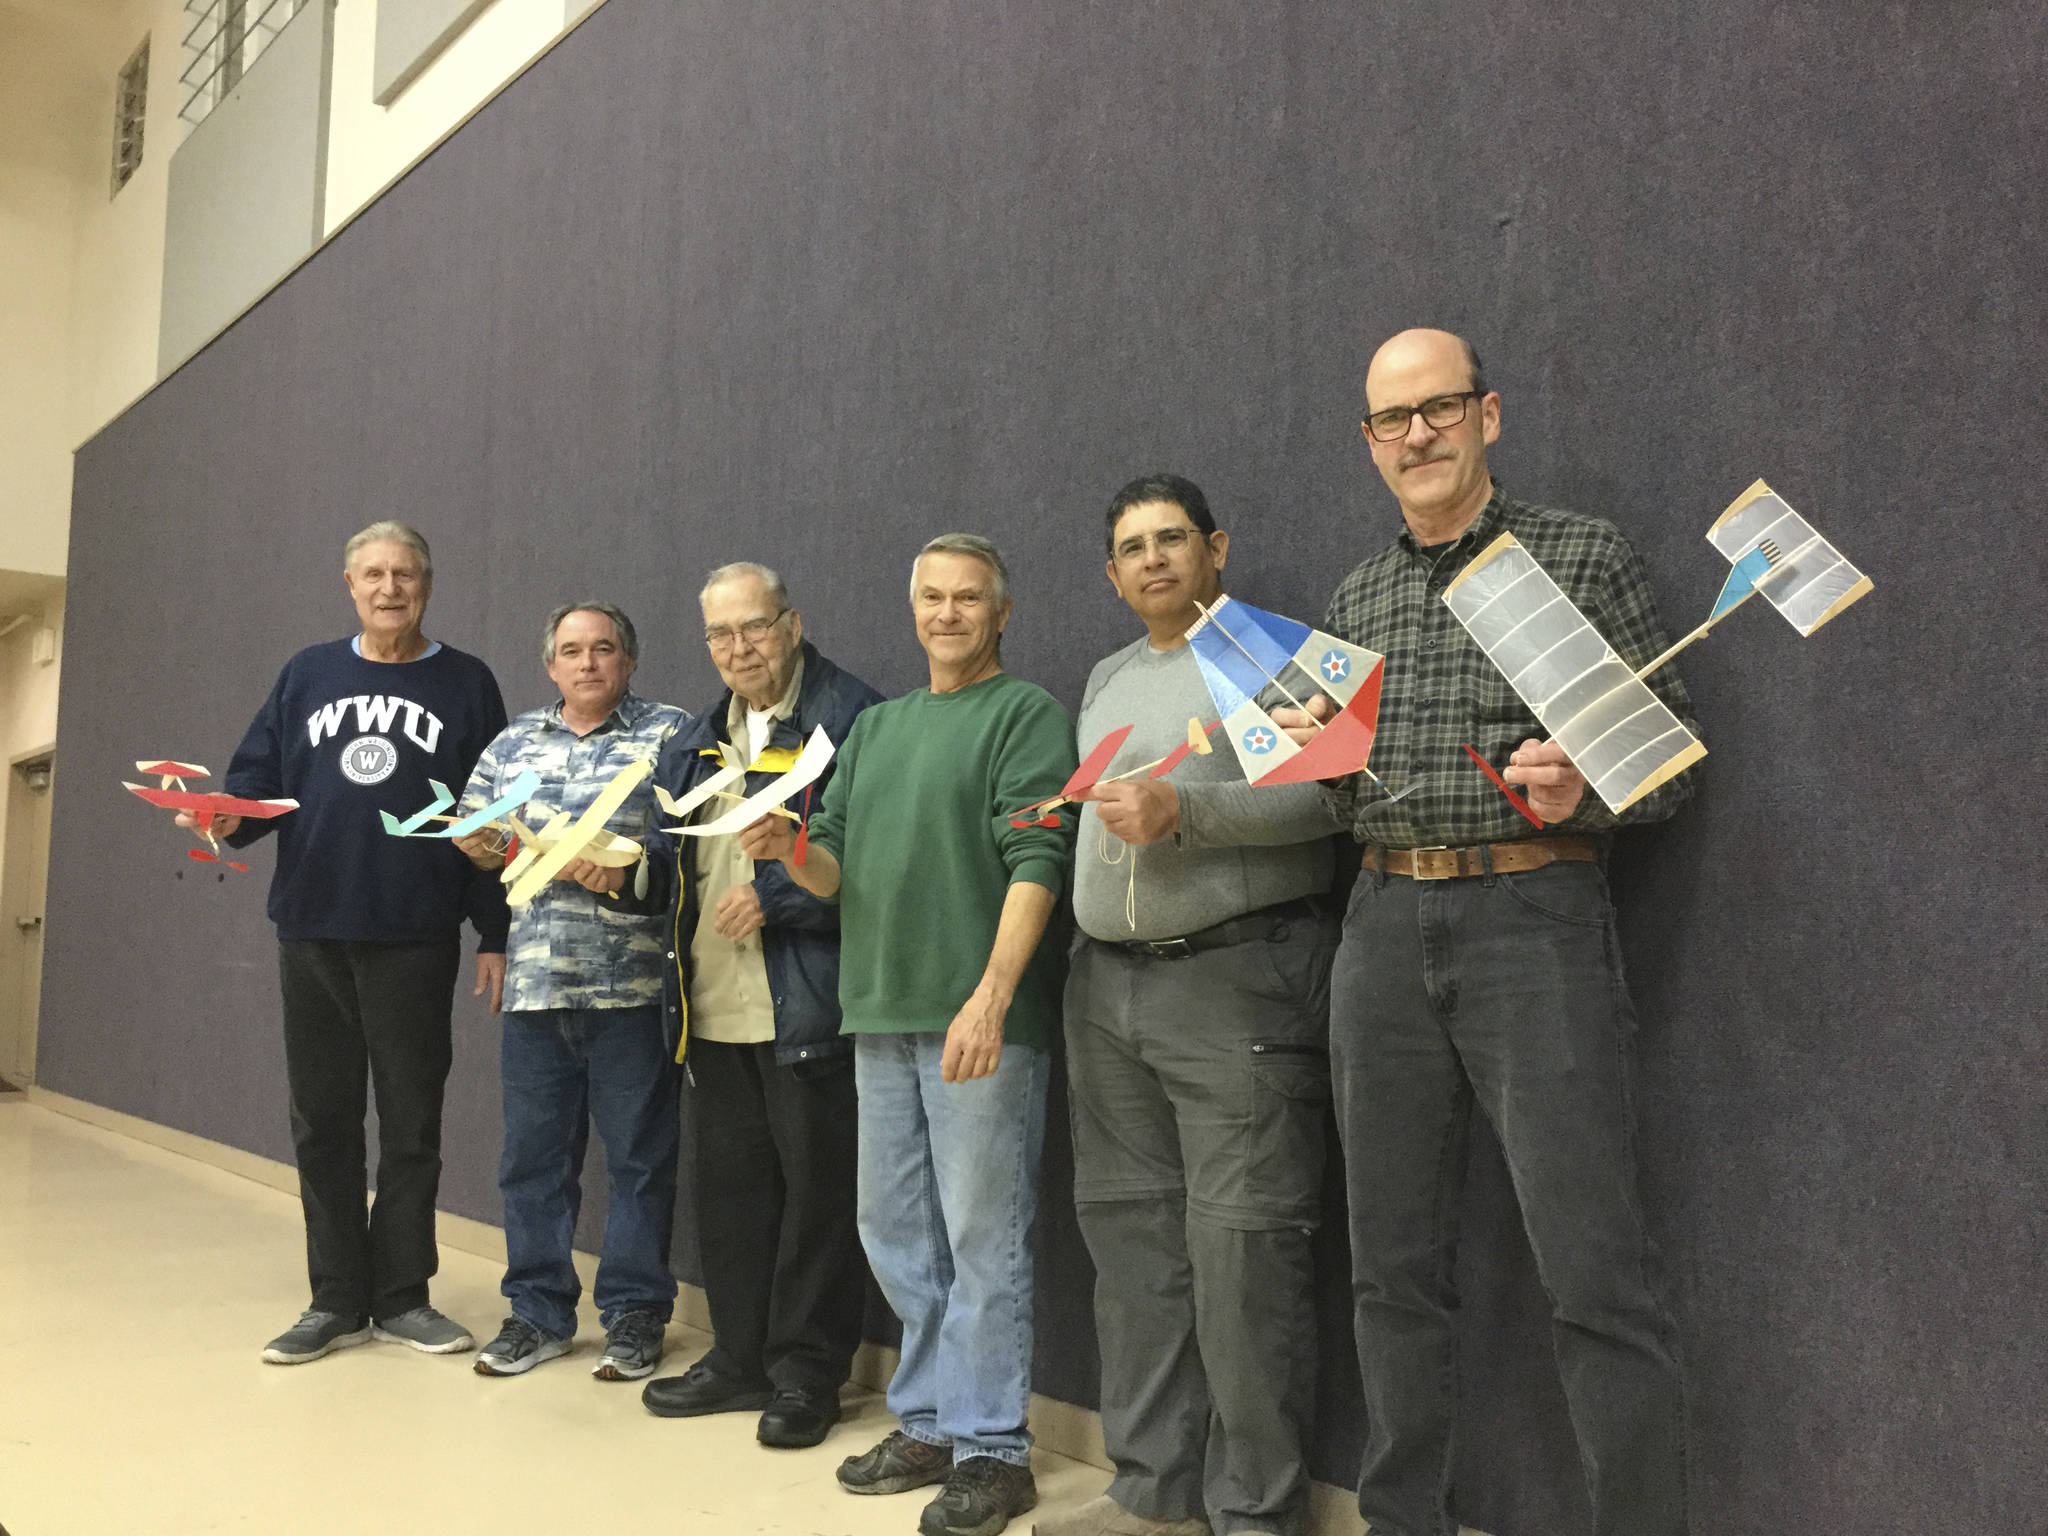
730 1001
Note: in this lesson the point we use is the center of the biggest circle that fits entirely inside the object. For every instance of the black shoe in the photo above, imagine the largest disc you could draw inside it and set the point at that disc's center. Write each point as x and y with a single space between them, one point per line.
982 1495
896 1464
701 1390
799 1418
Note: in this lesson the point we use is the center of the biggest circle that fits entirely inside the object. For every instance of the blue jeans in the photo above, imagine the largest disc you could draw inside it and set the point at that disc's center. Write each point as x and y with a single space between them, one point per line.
564 1068
948 1187
1504 994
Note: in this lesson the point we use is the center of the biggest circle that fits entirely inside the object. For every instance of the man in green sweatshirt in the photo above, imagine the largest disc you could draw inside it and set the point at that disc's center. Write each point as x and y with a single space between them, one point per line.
944 894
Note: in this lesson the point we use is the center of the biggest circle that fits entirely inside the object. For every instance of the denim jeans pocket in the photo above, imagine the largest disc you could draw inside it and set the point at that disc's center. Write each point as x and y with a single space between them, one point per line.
1564 893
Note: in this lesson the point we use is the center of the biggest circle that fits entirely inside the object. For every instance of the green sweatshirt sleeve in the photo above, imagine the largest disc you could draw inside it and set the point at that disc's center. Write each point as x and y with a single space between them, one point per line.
1038 756
828 822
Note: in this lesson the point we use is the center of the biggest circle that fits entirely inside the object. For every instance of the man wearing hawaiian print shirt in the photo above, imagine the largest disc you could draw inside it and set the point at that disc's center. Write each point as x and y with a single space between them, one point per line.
582 1017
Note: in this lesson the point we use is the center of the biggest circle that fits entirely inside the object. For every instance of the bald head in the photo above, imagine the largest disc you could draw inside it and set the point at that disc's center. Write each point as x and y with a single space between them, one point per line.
1437 473
1423 345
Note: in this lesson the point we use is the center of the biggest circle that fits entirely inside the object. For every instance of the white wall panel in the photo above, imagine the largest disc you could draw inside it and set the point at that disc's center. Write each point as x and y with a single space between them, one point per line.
247 188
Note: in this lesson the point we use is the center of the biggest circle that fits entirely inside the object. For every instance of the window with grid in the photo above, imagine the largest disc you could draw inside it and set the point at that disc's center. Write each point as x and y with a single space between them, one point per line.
131 107
226 39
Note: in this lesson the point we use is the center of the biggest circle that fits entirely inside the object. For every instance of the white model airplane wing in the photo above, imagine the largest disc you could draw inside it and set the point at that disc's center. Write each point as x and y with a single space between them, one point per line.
1618 733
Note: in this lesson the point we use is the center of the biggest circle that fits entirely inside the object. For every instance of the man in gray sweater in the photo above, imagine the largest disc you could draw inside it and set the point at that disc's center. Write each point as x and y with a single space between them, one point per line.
1198 1063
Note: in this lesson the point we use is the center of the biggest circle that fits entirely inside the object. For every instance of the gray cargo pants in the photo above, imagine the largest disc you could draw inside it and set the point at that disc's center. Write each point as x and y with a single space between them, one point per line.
1199 1089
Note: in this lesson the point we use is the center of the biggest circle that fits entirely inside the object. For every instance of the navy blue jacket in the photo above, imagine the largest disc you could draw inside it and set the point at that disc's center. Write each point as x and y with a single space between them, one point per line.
800 934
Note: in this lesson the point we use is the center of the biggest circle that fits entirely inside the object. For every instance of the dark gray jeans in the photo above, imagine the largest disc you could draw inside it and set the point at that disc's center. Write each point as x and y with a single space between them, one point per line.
1506 992
1199 1092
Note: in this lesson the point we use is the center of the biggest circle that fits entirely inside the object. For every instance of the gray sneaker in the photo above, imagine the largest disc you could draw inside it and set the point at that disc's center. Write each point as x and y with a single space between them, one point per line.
981 1496
425 1330
632 1348
518 1348
315 1334
896 1464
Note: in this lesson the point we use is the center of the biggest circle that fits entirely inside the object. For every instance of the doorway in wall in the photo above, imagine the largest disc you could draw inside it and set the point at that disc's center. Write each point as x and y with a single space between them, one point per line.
24 879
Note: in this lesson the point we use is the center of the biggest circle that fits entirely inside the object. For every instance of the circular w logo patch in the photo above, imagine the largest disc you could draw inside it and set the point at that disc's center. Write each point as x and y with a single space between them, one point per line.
369 760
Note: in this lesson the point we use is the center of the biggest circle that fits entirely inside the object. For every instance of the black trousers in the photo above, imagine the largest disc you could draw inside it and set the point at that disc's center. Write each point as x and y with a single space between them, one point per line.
776 1232
357 1014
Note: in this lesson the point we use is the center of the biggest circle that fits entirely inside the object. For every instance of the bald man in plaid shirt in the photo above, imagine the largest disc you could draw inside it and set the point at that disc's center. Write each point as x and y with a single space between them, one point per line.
1479 968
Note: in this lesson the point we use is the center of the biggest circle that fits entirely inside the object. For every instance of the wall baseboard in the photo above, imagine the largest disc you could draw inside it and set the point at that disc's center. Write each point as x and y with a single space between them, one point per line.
1066 1429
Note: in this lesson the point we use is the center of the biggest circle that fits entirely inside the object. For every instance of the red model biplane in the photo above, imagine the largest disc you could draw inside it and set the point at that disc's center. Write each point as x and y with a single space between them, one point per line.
203 805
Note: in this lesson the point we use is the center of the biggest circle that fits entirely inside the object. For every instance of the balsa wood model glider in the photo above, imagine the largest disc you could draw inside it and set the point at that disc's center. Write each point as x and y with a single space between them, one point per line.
559 838
496 814
793 772
800 775
1244 650
171 794
542 854
1619 734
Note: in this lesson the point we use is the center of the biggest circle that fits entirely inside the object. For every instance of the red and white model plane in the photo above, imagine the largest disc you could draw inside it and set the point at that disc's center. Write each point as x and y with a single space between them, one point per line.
1092 768
203 805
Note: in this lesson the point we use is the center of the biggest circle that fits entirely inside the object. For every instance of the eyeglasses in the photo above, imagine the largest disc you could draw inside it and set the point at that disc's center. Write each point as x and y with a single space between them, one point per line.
1166 540
1391 425
754 631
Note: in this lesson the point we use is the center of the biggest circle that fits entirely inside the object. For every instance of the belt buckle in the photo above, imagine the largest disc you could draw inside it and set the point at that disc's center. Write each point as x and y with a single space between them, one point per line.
1168 949
1415 863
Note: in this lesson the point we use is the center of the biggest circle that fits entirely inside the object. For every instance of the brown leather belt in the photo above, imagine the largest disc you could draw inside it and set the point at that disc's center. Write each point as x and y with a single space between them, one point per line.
1463 863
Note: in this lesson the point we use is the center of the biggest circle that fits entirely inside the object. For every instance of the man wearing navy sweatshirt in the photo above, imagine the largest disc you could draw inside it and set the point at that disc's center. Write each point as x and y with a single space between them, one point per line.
369 937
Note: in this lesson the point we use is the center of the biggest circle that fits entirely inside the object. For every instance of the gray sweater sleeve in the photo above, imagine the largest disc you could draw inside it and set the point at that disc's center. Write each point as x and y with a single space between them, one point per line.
1240 816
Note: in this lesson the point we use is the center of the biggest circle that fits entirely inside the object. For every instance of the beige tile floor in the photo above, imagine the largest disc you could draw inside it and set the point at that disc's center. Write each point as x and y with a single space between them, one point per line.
136 1290
138 1285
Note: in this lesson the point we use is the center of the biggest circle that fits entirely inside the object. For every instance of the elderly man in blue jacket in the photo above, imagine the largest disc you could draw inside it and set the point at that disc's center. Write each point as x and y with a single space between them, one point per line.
752 999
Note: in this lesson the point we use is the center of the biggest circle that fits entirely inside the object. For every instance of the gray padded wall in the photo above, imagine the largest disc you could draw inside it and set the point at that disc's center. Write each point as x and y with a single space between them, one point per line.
862 277
247 194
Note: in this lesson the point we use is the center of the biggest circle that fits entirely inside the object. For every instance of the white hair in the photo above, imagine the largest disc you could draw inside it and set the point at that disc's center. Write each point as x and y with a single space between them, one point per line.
778 594
388 531
972 544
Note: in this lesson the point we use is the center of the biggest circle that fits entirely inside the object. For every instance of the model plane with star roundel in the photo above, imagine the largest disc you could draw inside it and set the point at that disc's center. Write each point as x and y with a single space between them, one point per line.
1244 651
